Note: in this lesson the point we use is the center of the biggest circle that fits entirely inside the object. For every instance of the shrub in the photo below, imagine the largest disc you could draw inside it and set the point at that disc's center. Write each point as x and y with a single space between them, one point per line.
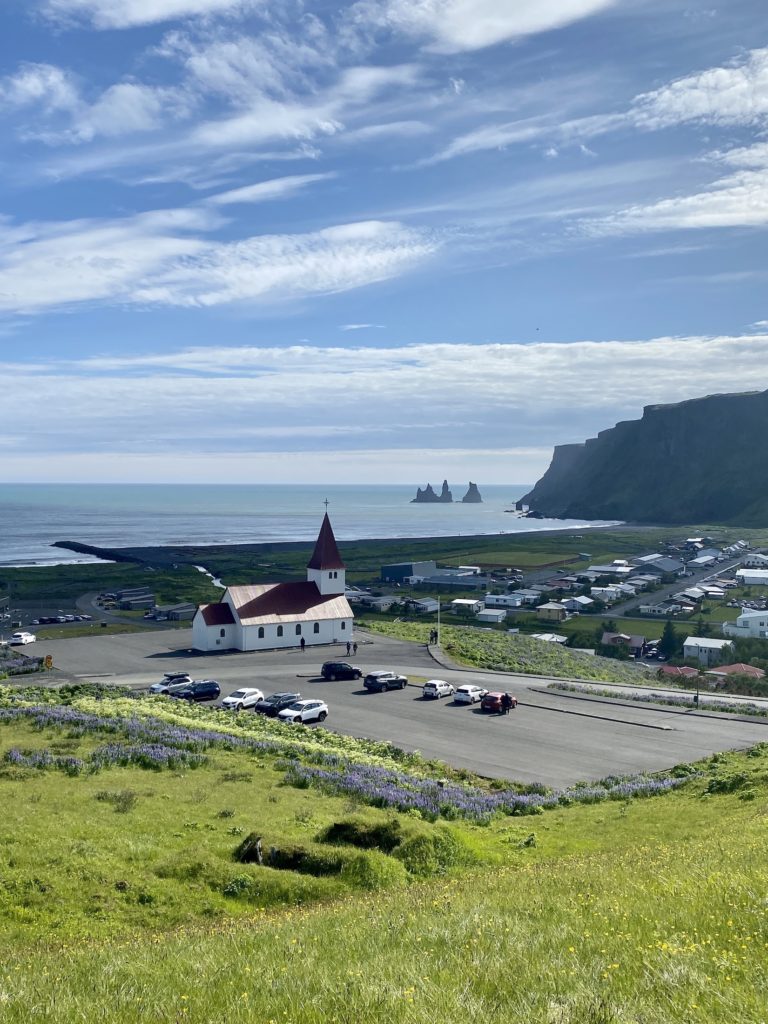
727 783
382 835
374 870
434 852
123 800
306 860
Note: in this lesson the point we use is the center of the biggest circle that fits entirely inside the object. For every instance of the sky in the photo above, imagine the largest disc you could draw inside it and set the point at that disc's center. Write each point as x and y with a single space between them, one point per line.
374 242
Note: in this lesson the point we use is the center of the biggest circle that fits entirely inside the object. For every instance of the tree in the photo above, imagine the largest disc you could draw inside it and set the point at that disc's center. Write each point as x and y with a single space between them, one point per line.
670 643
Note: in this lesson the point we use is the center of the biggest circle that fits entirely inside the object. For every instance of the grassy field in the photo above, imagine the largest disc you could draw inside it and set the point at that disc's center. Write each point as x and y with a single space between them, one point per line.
121 900
506 652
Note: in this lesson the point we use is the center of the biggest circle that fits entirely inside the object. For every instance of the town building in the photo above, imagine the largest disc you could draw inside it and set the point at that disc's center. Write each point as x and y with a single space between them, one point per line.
400 572
551 612
264 616
752 577
496 615
706 650
749 625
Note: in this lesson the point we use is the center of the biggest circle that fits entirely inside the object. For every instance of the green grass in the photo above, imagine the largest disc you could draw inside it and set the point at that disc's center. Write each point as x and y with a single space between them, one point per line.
506 652
648 911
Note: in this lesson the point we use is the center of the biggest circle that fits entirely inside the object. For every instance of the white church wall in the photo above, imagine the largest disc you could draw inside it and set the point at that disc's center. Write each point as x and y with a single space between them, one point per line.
329 631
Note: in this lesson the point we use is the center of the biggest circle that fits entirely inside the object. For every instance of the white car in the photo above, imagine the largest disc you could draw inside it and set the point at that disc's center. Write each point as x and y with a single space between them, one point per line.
305 711
170 680
469 694
434 688
246 697
21 638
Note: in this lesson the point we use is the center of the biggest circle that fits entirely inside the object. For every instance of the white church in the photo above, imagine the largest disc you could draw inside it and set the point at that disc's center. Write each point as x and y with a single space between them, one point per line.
264 616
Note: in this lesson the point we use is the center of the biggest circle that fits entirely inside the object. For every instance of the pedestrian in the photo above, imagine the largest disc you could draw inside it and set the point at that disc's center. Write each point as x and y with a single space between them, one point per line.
349 648
303 644
507 703
354 647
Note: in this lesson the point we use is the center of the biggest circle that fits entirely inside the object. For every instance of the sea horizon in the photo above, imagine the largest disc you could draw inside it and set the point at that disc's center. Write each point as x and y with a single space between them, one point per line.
35 515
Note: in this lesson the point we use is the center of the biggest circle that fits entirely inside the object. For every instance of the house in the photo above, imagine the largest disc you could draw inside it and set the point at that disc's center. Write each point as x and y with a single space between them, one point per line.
551 612
634 644
400 572
625 589
619 569
738 669
466 606
706 650
527 596
496 615
176 612
748 624
263 616
694 594
642 580
752 577
578 604
647 559
378 604
755 561
605 594
678 671
550 638
664 566
710 553
701 562
425 605
502 601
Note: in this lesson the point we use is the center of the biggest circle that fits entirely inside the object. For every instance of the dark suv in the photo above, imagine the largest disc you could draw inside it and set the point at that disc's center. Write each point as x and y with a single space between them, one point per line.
340 670
275 703
205 689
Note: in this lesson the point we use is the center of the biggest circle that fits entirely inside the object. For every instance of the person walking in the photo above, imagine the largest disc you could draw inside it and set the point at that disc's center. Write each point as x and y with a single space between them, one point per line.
349 648
507 703
303 644
354 647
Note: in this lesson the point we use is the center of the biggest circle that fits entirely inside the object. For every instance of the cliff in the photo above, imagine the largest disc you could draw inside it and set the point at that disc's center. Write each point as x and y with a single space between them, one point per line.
472 496
428 495
699 461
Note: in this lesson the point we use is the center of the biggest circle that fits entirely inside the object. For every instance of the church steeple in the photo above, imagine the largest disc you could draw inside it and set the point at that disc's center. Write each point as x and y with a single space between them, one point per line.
325 568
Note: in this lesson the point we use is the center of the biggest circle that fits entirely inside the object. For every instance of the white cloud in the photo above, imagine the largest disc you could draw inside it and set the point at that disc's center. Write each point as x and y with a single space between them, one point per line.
359 327
126 108
736 94
453 26
249 395
107 14
157 258
264 191
42 85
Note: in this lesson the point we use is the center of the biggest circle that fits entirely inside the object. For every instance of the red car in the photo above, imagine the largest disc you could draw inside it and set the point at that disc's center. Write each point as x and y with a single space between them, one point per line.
494 701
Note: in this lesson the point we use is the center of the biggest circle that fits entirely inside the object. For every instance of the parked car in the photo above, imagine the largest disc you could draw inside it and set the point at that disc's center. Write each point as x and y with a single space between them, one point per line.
435 688
340 670
494 701
171 679
275 703
245 697
19 639
469 694
382 680
203 689
305 711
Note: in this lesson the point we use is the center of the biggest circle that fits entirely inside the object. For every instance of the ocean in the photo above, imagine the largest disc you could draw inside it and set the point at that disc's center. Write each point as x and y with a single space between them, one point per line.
33 516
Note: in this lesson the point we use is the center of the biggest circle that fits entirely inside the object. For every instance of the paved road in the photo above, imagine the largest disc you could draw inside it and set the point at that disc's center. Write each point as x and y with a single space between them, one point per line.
657 596
549 738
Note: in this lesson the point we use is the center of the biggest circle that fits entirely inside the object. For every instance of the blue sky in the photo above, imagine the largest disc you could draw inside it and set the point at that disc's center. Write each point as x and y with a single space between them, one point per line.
378 242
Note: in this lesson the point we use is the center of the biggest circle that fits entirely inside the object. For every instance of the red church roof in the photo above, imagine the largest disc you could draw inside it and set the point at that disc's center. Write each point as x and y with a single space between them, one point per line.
219 614
326 554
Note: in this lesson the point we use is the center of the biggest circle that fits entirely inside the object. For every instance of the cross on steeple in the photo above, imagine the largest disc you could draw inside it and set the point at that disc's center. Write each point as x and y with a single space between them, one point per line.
326 503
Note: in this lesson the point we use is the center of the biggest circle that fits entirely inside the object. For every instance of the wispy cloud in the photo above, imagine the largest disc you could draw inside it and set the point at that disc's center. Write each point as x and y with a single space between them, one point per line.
453 26
160 258
359 327
265 191
105 14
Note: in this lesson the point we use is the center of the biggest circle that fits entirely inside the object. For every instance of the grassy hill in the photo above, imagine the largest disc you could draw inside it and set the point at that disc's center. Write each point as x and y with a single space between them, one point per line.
122 898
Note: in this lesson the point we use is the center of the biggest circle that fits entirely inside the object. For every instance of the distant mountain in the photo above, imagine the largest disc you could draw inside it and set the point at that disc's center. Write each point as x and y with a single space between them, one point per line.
700 461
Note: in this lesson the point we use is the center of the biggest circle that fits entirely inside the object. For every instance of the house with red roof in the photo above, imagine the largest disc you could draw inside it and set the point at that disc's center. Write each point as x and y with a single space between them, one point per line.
264 616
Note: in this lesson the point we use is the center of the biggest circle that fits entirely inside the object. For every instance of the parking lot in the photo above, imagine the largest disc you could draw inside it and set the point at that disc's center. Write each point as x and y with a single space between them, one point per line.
550 737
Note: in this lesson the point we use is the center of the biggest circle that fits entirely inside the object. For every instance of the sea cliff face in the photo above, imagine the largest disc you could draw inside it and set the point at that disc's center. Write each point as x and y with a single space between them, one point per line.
699 461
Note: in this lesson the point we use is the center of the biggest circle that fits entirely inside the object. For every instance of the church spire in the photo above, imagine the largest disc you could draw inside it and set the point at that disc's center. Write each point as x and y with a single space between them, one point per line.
326 554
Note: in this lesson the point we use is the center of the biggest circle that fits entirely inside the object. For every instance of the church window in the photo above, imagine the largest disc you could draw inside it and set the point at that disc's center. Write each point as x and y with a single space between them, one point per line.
343 625
316 627
222 632
261 632
298 629
279 630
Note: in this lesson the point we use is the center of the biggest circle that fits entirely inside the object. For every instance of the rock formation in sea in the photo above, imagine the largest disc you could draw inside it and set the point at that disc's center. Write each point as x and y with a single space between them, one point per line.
472 496
697 461
428 495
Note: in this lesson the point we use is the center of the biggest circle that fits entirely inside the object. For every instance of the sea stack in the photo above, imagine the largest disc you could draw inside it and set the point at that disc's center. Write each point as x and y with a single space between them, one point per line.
473 495
428 496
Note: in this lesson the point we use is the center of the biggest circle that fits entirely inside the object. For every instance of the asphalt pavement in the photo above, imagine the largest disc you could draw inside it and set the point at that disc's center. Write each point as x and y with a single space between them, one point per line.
549 738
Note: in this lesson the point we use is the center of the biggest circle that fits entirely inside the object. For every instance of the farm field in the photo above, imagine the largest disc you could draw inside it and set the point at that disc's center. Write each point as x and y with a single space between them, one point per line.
123 900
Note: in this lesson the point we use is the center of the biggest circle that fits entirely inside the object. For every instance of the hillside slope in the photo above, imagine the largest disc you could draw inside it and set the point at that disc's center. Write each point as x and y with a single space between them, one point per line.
699 461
